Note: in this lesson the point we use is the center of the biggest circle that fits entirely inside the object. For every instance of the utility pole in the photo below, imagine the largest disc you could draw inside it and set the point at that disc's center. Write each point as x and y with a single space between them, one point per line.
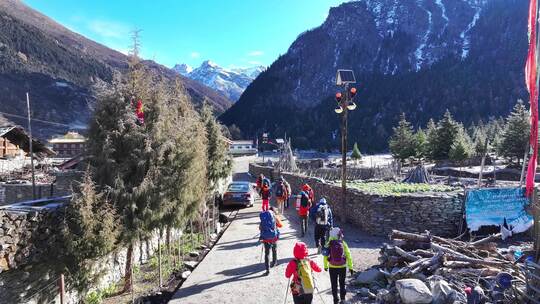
31 148
345 104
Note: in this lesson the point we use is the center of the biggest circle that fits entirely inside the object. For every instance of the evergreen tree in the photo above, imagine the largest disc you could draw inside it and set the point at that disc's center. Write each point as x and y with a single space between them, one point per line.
235 132
89 231
421 147
447 130
461 148
515 137
219 163
431 139
402 142
356 155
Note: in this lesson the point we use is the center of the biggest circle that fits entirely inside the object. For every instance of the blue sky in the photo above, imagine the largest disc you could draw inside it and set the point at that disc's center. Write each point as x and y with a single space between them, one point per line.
232 33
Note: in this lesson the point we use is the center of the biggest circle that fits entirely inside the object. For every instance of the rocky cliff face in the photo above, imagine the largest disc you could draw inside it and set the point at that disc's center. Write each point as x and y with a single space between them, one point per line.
418 57
61 70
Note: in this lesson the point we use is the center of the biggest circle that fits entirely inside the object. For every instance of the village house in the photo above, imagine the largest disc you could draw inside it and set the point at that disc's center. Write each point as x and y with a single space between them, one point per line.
14 142
68 146
242 147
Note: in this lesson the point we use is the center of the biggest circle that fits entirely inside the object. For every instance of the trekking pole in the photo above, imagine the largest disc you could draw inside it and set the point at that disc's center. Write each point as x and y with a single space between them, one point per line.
287 289
262 249
317 289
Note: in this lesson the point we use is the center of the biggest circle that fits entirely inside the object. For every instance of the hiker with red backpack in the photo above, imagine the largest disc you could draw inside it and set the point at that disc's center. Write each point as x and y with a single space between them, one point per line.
265 193
281 194
337 259
269 228
300 270
304 206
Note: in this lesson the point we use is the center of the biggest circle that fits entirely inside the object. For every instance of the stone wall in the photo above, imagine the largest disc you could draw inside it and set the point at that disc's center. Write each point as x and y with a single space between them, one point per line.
439 213
14 193
30 246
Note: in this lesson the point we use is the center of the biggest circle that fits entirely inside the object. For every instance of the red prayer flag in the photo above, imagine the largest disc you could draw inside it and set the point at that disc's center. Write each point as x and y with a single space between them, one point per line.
140 111
531 75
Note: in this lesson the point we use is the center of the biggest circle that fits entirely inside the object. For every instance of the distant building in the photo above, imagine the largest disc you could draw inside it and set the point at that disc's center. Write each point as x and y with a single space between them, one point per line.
69 145
15 142
242 147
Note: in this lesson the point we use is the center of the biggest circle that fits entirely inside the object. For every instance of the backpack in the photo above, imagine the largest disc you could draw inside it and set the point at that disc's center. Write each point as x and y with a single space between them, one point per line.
265 183
321 217
280 191
269 230
336 253
304 200
305 278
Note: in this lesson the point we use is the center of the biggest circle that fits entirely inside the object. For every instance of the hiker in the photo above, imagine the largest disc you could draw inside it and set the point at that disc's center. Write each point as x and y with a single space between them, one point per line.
337 258
269 227
321 214
301 270
303 210
259 183
281 194
289 193
265 194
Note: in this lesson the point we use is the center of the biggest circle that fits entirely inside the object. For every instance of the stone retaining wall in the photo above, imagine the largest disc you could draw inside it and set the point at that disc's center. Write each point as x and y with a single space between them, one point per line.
30 246
439 213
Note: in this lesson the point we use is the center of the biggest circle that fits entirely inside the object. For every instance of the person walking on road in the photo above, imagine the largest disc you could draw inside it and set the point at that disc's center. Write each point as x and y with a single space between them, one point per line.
324 220
269 228
289 193
300 270
259 183
337 258
265 194
303 210
281 194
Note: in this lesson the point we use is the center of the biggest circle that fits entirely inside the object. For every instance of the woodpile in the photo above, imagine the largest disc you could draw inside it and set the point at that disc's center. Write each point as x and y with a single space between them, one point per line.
454 271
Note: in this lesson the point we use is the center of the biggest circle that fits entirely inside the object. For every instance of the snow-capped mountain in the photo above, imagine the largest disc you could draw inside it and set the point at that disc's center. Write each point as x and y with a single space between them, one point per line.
418 57
229 82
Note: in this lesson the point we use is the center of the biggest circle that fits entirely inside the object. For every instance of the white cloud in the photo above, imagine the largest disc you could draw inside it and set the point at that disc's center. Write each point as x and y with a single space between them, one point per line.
255 53
109 29
195 55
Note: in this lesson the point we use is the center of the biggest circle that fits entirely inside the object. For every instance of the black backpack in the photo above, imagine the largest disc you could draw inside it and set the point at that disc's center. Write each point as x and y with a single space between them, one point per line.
304 199
280 191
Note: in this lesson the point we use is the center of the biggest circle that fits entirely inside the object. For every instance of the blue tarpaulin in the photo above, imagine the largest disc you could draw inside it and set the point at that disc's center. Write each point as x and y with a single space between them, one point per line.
487 207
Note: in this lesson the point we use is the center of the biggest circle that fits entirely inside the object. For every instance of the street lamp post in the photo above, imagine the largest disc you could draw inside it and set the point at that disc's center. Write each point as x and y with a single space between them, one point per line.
345 104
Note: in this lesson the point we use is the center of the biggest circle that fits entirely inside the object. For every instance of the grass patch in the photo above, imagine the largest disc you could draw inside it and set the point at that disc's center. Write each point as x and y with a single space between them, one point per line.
396 189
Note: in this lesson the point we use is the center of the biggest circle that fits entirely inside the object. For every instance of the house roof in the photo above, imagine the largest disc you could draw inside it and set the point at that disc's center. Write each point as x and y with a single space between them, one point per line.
242 142
18 136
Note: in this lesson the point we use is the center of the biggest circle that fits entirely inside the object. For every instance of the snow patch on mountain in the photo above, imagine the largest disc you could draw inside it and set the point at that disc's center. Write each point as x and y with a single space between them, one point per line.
465 34
419 53
229 82
440 4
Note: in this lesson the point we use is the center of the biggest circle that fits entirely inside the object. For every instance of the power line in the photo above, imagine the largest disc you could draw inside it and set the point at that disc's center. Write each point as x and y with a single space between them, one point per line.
38 120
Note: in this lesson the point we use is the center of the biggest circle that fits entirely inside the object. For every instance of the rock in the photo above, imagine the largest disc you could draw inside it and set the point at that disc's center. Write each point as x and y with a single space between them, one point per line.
443 293
4 265
413 291
190 264
185 274
369 276
385 296
194 254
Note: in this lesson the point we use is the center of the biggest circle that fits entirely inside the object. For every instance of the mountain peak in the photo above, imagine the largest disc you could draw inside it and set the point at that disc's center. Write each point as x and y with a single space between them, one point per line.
231 83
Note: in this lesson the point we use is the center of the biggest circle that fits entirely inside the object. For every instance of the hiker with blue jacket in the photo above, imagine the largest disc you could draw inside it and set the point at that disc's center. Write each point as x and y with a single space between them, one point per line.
269 228
337 259
321 214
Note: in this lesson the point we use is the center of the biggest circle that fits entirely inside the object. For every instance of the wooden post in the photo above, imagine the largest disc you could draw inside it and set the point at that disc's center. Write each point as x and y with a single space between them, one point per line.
31 147
159 261
62 288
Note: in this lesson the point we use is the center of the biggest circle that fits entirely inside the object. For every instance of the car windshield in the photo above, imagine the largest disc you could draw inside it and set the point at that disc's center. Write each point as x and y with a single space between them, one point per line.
238 187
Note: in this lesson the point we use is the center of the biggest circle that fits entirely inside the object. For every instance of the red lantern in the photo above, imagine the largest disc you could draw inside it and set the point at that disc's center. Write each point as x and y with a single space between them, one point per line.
338 97
353 92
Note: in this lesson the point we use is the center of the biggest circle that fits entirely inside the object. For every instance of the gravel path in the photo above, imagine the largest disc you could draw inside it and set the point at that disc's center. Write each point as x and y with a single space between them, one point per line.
233 272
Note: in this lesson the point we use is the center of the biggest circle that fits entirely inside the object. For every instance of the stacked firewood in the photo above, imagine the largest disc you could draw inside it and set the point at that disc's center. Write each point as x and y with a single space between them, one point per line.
464 266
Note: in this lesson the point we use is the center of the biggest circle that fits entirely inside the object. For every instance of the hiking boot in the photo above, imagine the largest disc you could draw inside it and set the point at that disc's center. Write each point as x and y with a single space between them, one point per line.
267 272
273 264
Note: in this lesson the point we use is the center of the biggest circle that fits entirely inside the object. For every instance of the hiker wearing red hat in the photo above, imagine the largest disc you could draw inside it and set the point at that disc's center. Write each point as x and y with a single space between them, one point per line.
300 271
305 203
